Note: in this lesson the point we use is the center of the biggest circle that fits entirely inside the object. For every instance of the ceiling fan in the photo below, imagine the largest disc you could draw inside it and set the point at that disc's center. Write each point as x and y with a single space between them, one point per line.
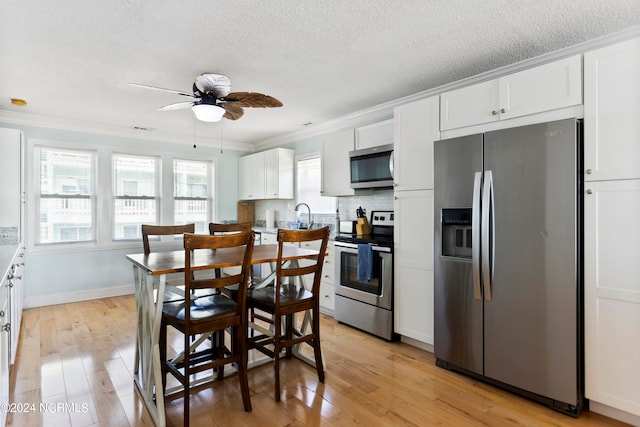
214 100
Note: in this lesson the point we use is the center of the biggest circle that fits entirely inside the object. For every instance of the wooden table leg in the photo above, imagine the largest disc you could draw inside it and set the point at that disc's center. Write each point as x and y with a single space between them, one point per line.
147 369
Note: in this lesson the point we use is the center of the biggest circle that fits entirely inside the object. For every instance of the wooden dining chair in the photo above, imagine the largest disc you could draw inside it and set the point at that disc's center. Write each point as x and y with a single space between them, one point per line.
211 314
285 298
163 230
175 288
217 229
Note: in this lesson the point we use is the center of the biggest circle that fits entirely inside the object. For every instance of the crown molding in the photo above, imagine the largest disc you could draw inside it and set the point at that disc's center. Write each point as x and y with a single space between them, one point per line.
41 121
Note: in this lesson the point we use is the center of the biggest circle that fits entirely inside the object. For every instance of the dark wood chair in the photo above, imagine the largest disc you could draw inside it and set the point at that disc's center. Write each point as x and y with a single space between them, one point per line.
174 280
163 230
216 229
285 298
210 314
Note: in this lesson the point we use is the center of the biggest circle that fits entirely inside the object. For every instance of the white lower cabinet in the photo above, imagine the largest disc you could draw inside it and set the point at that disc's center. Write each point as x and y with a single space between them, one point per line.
327 281
413 265
612 293
4 353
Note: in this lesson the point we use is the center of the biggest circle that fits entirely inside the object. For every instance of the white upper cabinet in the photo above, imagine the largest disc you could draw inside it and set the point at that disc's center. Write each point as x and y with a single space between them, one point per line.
266 175
415 130
612 112
535 90
470 105
278 173
336 171
374 135
251 177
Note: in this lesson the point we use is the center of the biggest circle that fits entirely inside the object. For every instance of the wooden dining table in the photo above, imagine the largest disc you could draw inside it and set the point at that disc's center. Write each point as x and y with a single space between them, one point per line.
150 272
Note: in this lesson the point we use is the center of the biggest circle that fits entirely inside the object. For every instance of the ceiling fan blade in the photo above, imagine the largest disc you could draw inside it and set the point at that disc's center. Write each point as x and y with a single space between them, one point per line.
233 111
162 89
176 106
252 99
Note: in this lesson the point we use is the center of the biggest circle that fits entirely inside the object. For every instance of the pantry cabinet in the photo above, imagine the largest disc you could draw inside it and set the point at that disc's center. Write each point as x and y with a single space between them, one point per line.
336 169
415 130
539 89
611 228
266 175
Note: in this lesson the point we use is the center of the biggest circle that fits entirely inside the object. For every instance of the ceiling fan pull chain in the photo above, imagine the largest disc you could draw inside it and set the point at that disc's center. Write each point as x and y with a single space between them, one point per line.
194 132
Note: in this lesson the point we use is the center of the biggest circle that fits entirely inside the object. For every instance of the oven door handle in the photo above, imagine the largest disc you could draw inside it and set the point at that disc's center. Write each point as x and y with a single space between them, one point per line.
355 246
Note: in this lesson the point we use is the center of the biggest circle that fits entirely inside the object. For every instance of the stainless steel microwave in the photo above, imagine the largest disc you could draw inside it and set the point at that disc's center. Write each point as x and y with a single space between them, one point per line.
372 167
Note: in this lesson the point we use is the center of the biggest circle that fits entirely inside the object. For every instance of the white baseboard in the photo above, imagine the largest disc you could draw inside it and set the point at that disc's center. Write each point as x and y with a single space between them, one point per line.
64 298
614 413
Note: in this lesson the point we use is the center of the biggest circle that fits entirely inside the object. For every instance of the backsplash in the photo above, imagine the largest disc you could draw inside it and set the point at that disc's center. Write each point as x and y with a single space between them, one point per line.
284 210
379 200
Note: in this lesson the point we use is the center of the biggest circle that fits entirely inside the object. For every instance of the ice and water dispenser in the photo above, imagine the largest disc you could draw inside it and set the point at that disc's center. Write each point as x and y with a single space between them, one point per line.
456 233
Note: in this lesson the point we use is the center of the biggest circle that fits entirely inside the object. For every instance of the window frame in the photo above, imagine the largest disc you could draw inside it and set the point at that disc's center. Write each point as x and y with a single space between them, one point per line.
103 189
115 197
210 166
39 196
314 211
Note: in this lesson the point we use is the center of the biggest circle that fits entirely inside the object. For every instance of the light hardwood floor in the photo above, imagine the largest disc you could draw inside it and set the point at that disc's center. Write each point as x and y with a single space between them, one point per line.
77 359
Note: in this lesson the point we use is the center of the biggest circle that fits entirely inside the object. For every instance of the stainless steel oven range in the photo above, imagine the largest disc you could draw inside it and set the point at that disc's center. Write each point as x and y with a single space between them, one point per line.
364 277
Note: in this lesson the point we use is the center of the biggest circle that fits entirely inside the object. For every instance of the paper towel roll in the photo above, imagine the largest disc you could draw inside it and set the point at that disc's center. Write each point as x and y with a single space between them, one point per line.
270 220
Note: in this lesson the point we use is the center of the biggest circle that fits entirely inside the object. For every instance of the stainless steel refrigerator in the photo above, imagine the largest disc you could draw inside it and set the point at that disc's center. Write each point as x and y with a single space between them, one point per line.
508 292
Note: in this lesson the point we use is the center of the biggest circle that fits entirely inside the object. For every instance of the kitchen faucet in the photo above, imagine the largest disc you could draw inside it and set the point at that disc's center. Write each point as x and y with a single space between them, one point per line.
310 223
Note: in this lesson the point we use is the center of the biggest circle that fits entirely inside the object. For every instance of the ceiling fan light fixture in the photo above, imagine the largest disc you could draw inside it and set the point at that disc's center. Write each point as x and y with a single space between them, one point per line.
208 112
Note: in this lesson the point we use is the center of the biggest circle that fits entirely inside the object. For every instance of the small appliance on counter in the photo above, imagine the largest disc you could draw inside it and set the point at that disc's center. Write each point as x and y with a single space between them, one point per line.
347 227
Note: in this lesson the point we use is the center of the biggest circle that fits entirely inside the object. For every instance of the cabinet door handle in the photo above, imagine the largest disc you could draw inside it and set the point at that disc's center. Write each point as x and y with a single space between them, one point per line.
588 171
502 110
6 327
494 113
589 191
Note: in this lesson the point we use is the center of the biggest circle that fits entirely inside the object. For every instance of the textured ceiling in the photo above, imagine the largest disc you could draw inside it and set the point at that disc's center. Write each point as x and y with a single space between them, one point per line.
322 58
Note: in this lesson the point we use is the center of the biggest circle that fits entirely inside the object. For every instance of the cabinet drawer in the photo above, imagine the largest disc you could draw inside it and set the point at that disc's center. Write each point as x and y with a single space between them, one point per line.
327 296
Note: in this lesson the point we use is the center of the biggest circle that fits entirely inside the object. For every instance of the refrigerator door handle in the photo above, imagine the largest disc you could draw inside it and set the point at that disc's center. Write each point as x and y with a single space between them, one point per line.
487 231
475 234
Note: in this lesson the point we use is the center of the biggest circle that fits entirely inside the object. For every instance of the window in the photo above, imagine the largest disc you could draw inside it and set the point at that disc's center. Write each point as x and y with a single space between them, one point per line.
192 193
309 180
135 190
65 196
